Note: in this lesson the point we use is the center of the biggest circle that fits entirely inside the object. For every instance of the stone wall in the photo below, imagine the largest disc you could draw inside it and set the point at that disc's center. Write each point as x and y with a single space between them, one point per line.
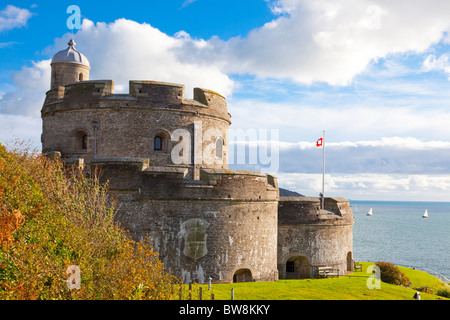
65 73
213 227
197 239
309 237
128 123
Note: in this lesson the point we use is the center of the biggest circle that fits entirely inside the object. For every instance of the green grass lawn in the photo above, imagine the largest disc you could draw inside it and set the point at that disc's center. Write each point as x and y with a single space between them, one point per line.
351 287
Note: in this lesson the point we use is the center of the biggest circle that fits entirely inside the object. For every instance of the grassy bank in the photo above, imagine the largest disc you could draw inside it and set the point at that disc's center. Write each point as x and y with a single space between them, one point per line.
351 287
59 240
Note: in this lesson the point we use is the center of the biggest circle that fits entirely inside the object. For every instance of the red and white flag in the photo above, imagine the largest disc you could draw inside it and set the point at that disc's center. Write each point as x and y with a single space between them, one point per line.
319 143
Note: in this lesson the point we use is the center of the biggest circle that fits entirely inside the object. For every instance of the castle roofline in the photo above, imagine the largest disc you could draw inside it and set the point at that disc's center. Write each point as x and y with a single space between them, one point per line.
142 94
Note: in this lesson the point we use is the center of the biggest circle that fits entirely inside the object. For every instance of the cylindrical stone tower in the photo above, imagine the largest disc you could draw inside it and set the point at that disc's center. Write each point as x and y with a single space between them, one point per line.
69 66
166 159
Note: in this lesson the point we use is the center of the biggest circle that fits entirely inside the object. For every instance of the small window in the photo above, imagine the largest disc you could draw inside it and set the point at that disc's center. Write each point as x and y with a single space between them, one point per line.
157 146
219 148
80 77
81 142
160 141
84 142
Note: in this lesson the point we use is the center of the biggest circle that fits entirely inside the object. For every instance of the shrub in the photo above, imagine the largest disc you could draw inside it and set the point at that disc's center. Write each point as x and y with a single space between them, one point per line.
391 274
425 289
444 292
52 218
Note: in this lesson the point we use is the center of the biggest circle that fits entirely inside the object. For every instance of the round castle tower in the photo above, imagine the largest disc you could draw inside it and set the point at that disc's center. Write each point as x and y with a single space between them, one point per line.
311 240
166 159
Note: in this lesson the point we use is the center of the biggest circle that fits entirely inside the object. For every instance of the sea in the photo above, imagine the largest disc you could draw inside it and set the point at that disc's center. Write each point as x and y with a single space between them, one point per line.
397 233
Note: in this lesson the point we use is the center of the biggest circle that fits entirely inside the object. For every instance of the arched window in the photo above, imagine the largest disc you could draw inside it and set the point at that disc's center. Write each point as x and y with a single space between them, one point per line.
80 77
157 145
81 140
84 142
219 147
160 141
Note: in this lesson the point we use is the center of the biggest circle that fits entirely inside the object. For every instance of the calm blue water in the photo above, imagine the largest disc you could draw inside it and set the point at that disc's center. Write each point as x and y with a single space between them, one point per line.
397 233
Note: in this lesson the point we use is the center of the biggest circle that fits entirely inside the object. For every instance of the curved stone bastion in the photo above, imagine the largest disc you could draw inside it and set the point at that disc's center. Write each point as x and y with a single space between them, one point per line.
310 238
223 226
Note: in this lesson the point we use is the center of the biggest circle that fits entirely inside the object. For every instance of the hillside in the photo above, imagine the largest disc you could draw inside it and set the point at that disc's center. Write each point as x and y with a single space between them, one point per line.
351 287
288 193
52 219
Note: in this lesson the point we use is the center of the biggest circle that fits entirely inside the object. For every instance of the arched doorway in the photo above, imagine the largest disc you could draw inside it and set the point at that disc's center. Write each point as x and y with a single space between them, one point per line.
243 275
298 267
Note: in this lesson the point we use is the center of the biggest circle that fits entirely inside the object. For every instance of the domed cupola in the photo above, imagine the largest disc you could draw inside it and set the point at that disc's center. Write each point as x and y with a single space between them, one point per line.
71 55
68 66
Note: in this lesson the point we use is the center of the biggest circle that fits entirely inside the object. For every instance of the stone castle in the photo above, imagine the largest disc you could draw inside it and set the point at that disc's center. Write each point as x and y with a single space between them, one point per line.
204 219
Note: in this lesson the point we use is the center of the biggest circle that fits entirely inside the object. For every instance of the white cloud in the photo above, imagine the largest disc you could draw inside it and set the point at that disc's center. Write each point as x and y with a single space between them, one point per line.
362 186
362 118
126 50
432 63
390 155
121 51
13 17
313 41
30 85
399 143
329 41
22 128
7 44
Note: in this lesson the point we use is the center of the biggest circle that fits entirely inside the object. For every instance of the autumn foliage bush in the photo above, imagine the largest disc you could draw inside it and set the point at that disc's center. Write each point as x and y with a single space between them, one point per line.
390 273
52 218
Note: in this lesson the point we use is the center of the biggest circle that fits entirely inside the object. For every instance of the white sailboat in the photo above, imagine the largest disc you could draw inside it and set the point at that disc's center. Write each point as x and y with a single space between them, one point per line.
370 212
425 215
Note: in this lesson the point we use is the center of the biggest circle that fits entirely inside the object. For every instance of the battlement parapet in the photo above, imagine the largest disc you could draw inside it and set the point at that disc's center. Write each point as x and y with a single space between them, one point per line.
158 92
151 182
307 211
208 97
138 163
88 90
56 94
142 94
215 176
77 95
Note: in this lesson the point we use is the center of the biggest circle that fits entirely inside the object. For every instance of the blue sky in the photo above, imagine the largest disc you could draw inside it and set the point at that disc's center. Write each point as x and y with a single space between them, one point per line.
373 74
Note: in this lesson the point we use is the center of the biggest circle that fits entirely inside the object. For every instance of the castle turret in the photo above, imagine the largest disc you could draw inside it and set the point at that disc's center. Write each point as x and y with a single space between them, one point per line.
69 66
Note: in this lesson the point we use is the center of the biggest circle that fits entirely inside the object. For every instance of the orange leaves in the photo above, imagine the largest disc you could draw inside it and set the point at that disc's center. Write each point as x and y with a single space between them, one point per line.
63 218
10 221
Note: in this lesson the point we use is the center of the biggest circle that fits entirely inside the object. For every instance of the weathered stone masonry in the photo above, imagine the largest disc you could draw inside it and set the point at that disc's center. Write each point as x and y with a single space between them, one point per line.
309 237
203 219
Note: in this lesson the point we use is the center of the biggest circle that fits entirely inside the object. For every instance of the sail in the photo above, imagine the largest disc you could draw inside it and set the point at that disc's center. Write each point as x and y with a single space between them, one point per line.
370 212
425 215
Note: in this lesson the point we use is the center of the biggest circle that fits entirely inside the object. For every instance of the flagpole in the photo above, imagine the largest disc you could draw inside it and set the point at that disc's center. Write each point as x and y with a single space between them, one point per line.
323 170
